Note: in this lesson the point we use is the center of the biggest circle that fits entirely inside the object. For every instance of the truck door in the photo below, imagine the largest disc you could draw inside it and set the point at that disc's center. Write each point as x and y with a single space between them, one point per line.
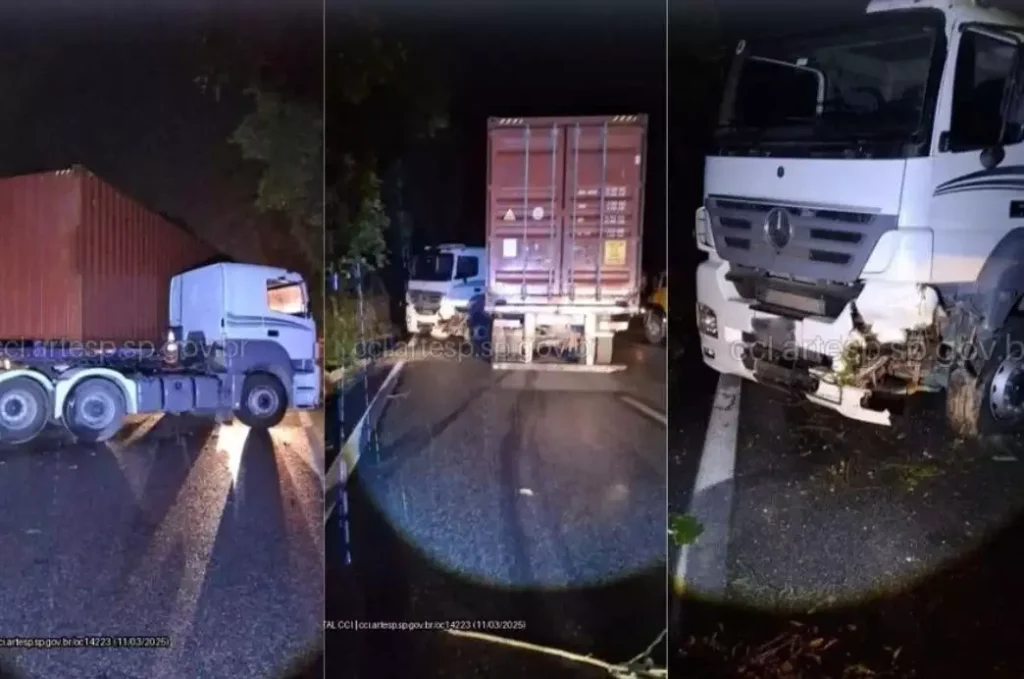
972 207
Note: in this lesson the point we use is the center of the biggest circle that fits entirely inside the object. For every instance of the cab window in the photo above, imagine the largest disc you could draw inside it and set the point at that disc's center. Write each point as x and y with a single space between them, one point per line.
467 267
286 297
983 67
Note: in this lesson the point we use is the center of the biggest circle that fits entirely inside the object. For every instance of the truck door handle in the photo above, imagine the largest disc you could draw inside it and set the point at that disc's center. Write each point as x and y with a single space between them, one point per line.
272 333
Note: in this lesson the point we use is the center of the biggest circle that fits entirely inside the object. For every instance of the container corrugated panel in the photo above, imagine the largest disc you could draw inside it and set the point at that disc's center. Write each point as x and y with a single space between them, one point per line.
83 262
39 217
565 208
128 253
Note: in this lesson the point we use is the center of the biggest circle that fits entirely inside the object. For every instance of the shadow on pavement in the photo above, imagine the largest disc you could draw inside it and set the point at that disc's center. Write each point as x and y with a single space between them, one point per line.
390 581
183 552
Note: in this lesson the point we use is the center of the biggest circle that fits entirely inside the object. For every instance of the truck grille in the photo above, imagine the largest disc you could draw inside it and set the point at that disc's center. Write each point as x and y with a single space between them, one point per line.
827 243
425 303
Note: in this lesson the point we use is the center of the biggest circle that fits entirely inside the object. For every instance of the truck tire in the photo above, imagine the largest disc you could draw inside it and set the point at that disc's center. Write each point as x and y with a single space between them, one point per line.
603 348
94 410
264 402
24 410
990 407
506 345
654 326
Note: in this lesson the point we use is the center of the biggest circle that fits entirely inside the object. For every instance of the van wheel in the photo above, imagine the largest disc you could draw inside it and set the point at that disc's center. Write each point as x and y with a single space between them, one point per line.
24 410
95 410
990 407
264 402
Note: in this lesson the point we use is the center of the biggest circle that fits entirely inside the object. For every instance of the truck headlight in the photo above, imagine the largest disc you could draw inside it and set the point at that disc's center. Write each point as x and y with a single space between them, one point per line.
702 230
707 321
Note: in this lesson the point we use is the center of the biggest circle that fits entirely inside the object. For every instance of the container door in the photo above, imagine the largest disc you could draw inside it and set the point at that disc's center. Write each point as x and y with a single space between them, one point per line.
525 192
604 201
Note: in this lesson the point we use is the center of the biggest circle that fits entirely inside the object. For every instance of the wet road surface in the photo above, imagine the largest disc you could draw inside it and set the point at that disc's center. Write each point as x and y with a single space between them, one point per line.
534 500
209 537
884 549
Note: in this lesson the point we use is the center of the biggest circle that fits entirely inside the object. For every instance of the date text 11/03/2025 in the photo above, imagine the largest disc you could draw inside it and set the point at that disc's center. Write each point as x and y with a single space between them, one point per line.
44 643
414 625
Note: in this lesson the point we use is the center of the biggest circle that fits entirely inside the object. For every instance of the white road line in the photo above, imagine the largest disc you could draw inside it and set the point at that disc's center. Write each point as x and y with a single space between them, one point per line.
644 408
702 565
560 367
345 463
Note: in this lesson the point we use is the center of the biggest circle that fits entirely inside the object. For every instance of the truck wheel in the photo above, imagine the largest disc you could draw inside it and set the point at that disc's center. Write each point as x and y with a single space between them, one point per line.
264 402
654 326
603 347
24 410
95 410
991 406
506 344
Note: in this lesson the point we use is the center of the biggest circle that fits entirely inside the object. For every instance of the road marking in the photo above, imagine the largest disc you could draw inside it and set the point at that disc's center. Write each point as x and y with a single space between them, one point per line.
559 367
647 410
345 463
701 566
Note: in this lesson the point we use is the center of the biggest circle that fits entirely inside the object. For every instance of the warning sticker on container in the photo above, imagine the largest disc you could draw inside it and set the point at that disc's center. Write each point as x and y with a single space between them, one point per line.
510 216
615 253
508 247
538 213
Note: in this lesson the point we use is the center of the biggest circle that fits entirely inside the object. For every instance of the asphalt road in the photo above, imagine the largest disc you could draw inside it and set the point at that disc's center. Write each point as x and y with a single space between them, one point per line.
532 500
208 538
894 548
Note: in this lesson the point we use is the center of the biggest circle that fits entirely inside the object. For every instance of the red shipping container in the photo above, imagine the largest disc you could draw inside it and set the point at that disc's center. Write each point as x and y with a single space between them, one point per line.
81 261
565 208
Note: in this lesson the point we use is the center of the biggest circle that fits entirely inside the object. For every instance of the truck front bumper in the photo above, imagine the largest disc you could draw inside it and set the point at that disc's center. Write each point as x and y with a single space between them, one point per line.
726 325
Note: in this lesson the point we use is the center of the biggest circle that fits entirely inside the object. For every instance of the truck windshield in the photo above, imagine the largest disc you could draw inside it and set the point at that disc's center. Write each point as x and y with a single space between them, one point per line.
432 266
287 298
842 88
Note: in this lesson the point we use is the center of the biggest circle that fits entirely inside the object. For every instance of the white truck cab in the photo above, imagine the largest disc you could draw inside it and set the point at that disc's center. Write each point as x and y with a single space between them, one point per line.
444 284
864 214
242 340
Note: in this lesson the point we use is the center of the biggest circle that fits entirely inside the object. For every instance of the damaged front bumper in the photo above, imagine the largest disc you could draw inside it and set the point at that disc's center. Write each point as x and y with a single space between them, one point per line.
805 354
437 325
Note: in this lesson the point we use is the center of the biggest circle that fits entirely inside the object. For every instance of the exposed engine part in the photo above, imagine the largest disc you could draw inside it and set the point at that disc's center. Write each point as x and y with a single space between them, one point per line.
869 364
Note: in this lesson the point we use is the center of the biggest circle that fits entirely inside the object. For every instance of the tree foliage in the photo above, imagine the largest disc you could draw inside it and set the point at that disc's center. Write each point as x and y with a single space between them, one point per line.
286 137
270 75
382 98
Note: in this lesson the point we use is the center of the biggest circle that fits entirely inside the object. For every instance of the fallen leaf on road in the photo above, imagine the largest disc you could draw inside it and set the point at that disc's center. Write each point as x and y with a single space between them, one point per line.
684 529
526 491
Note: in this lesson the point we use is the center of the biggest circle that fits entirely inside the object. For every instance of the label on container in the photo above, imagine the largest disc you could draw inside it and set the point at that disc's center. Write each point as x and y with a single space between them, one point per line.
510 216
538 213
615 253
508 247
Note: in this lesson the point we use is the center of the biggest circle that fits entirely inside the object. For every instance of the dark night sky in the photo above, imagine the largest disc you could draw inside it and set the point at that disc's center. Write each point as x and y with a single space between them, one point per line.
511 58
112 88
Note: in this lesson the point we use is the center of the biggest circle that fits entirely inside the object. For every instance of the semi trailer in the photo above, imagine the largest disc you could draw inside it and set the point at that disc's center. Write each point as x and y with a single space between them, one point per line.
97 325
564 230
